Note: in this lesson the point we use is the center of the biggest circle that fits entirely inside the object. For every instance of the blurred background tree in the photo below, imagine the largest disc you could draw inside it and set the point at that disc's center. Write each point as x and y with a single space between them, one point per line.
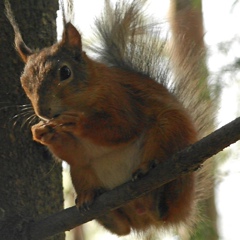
186 26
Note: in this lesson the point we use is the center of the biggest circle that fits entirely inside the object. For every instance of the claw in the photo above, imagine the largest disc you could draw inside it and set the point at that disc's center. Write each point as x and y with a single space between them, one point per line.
143 170
84 207
138 175
86 198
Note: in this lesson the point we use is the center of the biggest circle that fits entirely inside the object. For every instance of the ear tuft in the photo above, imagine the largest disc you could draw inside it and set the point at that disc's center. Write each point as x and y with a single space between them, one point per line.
22 49
71 37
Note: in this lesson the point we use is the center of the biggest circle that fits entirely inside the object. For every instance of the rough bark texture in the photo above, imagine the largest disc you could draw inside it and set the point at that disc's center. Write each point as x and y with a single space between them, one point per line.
30 180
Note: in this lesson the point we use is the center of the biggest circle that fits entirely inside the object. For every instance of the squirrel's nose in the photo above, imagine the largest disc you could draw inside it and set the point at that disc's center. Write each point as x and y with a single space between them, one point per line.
45 113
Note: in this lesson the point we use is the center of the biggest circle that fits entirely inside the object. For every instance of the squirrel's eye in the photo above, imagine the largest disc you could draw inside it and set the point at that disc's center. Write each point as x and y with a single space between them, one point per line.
65 73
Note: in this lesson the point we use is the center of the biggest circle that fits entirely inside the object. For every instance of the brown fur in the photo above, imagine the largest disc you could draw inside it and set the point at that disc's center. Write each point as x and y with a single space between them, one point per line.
111 122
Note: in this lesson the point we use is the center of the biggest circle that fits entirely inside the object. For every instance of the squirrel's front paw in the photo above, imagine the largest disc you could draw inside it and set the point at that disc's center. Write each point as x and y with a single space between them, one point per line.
85 199
143 169
43 133
66 122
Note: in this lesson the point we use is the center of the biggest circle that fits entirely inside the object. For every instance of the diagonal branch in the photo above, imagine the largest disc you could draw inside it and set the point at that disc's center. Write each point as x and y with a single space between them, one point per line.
182 162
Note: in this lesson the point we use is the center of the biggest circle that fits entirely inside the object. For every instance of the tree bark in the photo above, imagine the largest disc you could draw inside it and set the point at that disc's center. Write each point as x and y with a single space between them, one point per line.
30 180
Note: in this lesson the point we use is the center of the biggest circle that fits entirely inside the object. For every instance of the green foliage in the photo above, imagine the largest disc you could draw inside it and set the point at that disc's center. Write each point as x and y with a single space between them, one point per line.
204 231
197 4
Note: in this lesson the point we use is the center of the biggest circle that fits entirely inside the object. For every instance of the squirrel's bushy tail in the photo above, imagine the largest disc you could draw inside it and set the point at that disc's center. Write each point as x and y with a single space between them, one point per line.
128 38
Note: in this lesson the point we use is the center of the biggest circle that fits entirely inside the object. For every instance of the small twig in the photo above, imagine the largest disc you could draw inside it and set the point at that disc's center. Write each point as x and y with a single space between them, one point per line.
182 162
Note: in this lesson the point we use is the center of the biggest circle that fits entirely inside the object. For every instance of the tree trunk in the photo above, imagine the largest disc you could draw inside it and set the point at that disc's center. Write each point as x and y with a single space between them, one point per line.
189 55
30 180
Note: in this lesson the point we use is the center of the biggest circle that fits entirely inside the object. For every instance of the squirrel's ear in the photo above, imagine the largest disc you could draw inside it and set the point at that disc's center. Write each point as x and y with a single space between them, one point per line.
21 48
71 37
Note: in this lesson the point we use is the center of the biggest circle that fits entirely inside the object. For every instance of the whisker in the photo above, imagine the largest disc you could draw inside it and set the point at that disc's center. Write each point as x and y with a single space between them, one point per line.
25 114
13 105
29 120
33 120
50 170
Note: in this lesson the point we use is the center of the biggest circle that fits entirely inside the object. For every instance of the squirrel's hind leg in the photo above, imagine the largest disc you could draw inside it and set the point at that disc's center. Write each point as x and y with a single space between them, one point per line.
116 222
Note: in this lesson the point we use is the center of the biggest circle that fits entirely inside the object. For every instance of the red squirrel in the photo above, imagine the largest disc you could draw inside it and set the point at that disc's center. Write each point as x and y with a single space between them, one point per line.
111 119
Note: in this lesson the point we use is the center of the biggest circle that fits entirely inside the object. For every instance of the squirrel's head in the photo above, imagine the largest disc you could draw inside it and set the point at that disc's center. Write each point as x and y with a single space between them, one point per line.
53 77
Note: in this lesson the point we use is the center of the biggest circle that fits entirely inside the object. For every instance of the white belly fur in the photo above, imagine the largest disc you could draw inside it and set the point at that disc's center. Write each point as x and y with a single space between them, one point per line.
113 166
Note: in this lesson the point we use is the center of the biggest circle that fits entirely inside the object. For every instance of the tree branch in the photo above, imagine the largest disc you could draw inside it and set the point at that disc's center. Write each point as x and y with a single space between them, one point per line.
187 160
